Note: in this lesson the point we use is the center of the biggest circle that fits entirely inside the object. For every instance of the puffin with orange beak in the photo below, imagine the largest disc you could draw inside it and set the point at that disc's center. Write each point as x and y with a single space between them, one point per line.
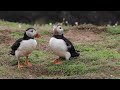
24 46
61 46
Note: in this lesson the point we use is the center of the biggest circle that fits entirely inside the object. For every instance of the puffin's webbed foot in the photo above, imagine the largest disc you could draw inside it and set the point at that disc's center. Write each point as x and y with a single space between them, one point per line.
20 65
27 63
57 62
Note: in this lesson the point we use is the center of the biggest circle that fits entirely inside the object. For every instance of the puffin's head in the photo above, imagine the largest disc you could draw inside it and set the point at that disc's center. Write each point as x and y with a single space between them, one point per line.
31 32
57 29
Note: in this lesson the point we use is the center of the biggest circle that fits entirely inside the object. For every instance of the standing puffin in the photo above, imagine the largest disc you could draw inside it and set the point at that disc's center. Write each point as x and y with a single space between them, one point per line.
61 46
24 46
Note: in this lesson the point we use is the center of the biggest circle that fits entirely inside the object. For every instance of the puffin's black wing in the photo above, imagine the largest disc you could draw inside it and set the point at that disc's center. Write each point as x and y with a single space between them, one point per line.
15 46
69 44
71 48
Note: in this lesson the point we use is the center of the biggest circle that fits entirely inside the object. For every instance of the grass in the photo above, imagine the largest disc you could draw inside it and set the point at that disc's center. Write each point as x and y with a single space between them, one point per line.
17 35
13 24
113 30
97 59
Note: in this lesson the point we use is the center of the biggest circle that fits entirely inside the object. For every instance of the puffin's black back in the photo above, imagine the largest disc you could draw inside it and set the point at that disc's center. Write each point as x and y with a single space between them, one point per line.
15 46
71 48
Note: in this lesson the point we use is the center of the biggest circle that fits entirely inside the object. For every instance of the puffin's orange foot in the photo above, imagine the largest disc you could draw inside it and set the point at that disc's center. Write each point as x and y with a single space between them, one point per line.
20 66
55 60
28 64
58 63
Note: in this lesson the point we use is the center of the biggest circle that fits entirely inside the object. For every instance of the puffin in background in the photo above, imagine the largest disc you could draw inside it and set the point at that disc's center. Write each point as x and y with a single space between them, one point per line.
61 46
24 46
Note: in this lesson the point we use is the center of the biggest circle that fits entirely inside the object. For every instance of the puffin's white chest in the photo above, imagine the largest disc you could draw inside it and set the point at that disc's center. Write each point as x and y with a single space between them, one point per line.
58 46
26 47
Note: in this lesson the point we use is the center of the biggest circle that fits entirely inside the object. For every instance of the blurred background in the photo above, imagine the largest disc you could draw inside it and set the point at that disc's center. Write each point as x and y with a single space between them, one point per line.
67 17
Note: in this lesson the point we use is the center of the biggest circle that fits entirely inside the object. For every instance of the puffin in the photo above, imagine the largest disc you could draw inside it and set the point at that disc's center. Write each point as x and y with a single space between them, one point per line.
61 46
24 46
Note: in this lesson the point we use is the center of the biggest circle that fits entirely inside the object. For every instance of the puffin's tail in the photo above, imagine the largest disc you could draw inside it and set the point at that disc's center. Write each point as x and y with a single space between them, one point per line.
12 52
75 54
77 51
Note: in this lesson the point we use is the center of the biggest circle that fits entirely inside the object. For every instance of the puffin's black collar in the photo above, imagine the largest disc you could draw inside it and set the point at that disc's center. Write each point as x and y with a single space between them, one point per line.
58 36
26 37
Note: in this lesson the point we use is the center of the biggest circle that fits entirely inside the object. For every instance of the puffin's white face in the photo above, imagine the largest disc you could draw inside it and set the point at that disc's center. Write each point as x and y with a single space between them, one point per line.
58 30
32 33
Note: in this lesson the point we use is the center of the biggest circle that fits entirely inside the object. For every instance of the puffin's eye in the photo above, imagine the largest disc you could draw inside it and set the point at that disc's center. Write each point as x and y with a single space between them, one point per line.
31 31
60 28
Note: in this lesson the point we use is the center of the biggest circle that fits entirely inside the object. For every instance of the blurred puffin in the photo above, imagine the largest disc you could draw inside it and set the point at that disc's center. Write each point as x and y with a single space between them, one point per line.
61 46
24 46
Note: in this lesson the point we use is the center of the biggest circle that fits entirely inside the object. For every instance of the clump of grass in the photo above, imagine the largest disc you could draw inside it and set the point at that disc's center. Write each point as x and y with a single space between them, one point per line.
90 53
69 69
113 30
17 35
40 57
94 68
14 25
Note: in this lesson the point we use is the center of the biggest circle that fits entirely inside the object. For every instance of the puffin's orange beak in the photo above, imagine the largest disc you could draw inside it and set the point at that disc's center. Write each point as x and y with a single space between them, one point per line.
37 35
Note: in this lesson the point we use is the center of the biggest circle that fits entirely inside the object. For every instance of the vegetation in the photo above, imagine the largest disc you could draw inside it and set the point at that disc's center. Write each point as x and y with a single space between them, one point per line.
98 59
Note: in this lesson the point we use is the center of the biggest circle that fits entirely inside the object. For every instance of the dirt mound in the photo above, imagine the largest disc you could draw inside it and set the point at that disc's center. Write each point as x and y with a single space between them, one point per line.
5 31
82 36
5 39
4 36
90 27
85 33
